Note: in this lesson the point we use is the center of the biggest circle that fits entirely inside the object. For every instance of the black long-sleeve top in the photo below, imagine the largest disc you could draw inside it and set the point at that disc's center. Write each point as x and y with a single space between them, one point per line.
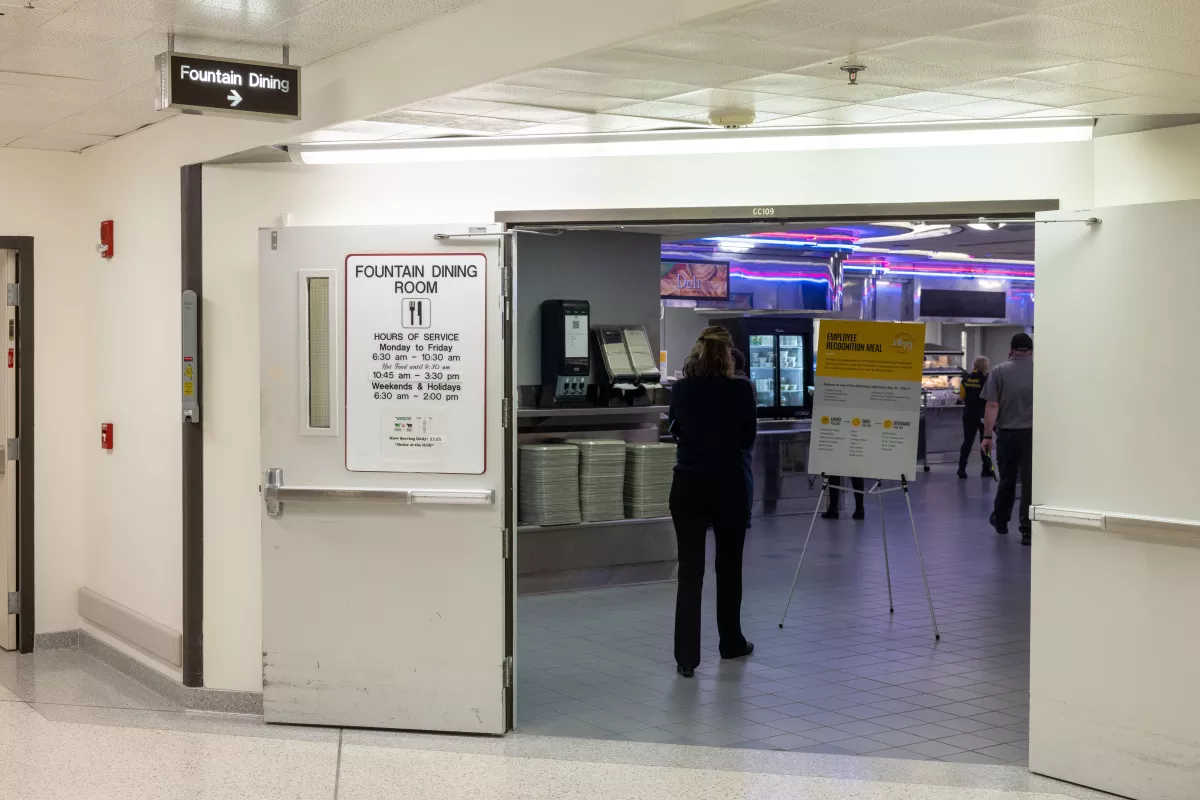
714 421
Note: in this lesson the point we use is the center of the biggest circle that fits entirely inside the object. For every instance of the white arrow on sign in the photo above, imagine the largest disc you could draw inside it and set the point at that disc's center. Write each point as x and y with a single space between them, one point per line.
234 98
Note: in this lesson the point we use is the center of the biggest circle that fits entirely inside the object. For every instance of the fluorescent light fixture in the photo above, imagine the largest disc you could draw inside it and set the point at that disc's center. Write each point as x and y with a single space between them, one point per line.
692 142
986 226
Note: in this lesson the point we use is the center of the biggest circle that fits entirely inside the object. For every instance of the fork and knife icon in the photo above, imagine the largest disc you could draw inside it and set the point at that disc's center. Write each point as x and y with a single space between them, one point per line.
416 313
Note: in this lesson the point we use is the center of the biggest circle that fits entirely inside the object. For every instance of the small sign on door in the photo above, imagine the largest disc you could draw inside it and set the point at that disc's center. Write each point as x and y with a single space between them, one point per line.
417 312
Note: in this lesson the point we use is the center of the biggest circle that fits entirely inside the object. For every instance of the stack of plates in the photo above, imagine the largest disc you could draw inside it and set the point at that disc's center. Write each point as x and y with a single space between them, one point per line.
601 478
549 484
648 473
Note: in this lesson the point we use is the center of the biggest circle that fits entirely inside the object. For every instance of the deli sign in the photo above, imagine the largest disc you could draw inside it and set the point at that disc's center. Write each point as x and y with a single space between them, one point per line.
206 85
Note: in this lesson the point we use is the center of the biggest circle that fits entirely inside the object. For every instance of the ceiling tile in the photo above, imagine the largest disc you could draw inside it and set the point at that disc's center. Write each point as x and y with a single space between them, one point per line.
927 117
765 22
927 17
435 132
721 98
891 72
560 79
551 129
1051 113
925 101
859 93
366 129
1178 19
457 105
1132 47
858 114
660 109
620 63
1083 72
1003 88
1038 5
552 109
605 123
1156 84
784 84
580 102
451 121
1140 105
794 106
835 10
503 93
727 50
1069 96
700 73
983 56
849 36
1029 30
792 122
638 89
73 142
97 26
278 9
992 109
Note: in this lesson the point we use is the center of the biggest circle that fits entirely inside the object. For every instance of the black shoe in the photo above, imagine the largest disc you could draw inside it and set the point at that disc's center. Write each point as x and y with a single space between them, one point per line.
984 474
687 672
831 513
749 650
1001 527
1026 537
858 514
962 474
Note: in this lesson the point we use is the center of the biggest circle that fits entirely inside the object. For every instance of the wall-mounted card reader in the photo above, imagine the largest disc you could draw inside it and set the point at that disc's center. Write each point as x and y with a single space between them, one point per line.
566 362
190 366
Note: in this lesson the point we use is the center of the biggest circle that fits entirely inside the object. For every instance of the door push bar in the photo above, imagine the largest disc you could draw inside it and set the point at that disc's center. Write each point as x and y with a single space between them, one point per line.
275 494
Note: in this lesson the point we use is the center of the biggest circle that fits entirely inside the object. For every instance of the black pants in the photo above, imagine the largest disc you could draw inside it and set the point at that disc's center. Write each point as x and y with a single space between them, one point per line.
835 486
700 501
1016 460
972 427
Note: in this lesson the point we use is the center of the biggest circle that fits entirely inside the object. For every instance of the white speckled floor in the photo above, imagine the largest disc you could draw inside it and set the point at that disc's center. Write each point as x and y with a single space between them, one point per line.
72 728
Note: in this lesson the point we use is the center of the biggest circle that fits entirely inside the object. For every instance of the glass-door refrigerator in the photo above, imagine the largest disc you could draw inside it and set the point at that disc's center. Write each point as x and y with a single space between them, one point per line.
778 361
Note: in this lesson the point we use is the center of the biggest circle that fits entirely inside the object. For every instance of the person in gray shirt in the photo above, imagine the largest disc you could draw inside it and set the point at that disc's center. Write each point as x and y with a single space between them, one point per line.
1009 414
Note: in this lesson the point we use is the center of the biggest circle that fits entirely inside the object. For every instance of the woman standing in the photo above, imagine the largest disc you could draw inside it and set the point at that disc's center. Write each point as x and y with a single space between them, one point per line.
713 419
973 407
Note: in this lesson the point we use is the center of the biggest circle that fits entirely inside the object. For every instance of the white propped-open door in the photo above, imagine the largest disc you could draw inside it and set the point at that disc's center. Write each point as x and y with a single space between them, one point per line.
384 550
8 468
1115 674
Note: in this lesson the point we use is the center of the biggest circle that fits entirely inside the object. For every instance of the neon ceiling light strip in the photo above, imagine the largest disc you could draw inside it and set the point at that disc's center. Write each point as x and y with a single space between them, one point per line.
779 242
699 142
888 272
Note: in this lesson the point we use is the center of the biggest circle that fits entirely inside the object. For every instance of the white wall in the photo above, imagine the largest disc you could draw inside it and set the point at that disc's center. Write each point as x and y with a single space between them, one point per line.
240 199
1148 167
38 199
126 523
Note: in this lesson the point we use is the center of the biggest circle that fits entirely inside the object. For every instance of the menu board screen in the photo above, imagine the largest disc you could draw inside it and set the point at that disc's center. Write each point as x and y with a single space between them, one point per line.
691 280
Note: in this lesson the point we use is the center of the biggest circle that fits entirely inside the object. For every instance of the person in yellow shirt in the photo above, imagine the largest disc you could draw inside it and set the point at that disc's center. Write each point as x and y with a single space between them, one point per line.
971 391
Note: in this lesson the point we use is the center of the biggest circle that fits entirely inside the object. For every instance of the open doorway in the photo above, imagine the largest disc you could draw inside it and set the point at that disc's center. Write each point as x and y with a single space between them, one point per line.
596 595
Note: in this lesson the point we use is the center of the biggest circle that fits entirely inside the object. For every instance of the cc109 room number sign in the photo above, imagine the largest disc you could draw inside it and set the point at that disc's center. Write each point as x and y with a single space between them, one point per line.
416 347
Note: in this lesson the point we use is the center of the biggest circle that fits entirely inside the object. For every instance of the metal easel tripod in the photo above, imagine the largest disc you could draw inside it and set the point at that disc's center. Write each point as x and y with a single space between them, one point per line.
879 492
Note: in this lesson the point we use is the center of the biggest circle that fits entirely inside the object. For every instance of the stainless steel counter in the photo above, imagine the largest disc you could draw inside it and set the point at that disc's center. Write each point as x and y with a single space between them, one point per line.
943 434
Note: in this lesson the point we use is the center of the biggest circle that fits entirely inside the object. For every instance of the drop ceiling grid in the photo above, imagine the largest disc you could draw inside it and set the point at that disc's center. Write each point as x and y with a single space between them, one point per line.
927 60
74 73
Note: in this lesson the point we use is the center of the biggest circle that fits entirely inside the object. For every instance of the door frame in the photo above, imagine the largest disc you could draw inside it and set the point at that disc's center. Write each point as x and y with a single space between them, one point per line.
534 221
24 465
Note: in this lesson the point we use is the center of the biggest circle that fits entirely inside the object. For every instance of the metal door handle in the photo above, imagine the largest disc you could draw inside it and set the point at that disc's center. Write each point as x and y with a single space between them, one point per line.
275 493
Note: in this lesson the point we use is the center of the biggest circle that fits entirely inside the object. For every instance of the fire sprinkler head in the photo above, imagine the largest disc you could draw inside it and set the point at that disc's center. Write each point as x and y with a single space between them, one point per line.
852 70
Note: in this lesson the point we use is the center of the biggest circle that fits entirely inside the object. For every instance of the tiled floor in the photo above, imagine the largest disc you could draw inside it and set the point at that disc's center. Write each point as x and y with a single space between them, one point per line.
843 677
72 728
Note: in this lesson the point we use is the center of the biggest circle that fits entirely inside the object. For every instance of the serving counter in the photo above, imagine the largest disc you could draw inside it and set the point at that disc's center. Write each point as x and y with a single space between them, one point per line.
620 552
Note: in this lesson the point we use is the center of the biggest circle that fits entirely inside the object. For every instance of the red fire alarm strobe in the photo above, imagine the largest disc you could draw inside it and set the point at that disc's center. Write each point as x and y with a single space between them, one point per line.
105 248
106 436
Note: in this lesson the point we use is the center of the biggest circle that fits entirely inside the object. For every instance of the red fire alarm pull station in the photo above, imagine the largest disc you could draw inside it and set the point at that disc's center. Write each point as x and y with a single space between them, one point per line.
106 436
105 248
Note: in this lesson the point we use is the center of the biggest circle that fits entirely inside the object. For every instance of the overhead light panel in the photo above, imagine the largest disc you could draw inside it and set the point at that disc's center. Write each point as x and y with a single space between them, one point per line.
699 142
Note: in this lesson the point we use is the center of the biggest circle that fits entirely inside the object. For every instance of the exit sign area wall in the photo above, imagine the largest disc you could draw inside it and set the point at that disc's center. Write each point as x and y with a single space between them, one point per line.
205 85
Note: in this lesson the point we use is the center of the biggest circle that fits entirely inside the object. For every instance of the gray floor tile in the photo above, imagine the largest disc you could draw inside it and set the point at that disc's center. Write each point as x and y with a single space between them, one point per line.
651 735
842 660
968 741
971 758
1006 752
897 738
900 752
934 749
826 735
932 730
1002 735
718 738
789 741
862 745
